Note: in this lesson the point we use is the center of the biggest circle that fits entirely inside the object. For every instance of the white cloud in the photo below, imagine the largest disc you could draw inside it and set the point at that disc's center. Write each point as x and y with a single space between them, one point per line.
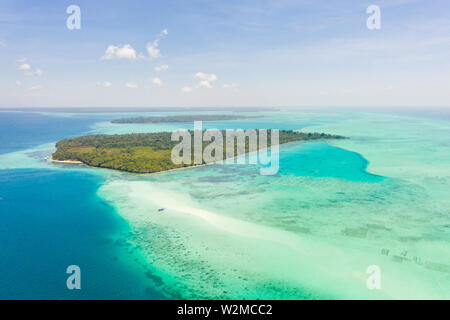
25 67
157 81
206 79
131 85
204 84
204 76
186 89
115 52
104 84
163 67
2 44
38 72
128 52
152 47
233 86
35 88
163 33
18 83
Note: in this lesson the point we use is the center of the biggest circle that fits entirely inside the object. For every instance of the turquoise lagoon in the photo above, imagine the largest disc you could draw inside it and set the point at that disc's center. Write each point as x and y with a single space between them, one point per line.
309 232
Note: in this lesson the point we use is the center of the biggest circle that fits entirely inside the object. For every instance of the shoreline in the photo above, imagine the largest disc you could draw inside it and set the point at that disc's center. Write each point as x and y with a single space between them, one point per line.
65 161
123 171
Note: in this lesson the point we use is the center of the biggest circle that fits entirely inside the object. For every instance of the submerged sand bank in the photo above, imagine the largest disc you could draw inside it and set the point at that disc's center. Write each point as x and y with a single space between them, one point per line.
215 255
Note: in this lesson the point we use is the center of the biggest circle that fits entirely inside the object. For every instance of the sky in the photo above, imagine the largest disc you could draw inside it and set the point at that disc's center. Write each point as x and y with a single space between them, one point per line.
299 53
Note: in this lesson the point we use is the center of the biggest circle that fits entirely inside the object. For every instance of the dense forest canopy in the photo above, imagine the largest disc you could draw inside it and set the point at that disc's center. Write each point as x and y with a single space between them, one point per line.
147 152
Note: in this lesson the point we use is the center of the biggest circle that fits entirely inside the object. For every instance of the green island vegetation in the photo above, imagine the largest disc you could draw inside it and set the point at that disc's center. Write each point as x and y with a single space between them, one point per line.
149 152
182 118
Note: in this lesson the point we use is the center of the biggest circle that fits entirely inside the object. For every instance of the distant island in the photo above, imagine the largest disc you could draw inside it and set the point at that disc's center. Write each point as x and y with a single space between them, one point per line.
145 152
182 118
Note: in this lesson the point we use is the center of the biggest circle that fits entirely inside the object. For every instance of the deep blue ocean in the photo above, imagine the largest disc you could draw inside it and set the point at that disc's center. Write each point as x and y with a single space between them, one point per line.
50 219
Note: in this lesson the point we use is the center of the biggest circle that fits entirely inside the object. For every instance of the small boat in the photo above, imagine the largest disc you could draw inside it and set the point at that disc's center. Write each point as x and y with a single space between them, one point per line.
160 209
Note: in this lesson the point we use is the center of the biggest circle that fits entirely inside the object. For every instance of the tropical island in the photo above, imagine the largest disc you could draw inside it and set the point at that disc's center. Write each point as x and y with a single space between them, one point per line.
182 118
151 152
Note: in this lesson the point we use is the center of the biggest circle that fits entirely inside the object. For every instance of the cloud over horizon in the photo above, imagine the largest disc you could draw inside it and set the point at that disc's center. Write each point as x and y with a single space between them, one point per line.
104 84
37 87
206 79
131 85
117 52
157 81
